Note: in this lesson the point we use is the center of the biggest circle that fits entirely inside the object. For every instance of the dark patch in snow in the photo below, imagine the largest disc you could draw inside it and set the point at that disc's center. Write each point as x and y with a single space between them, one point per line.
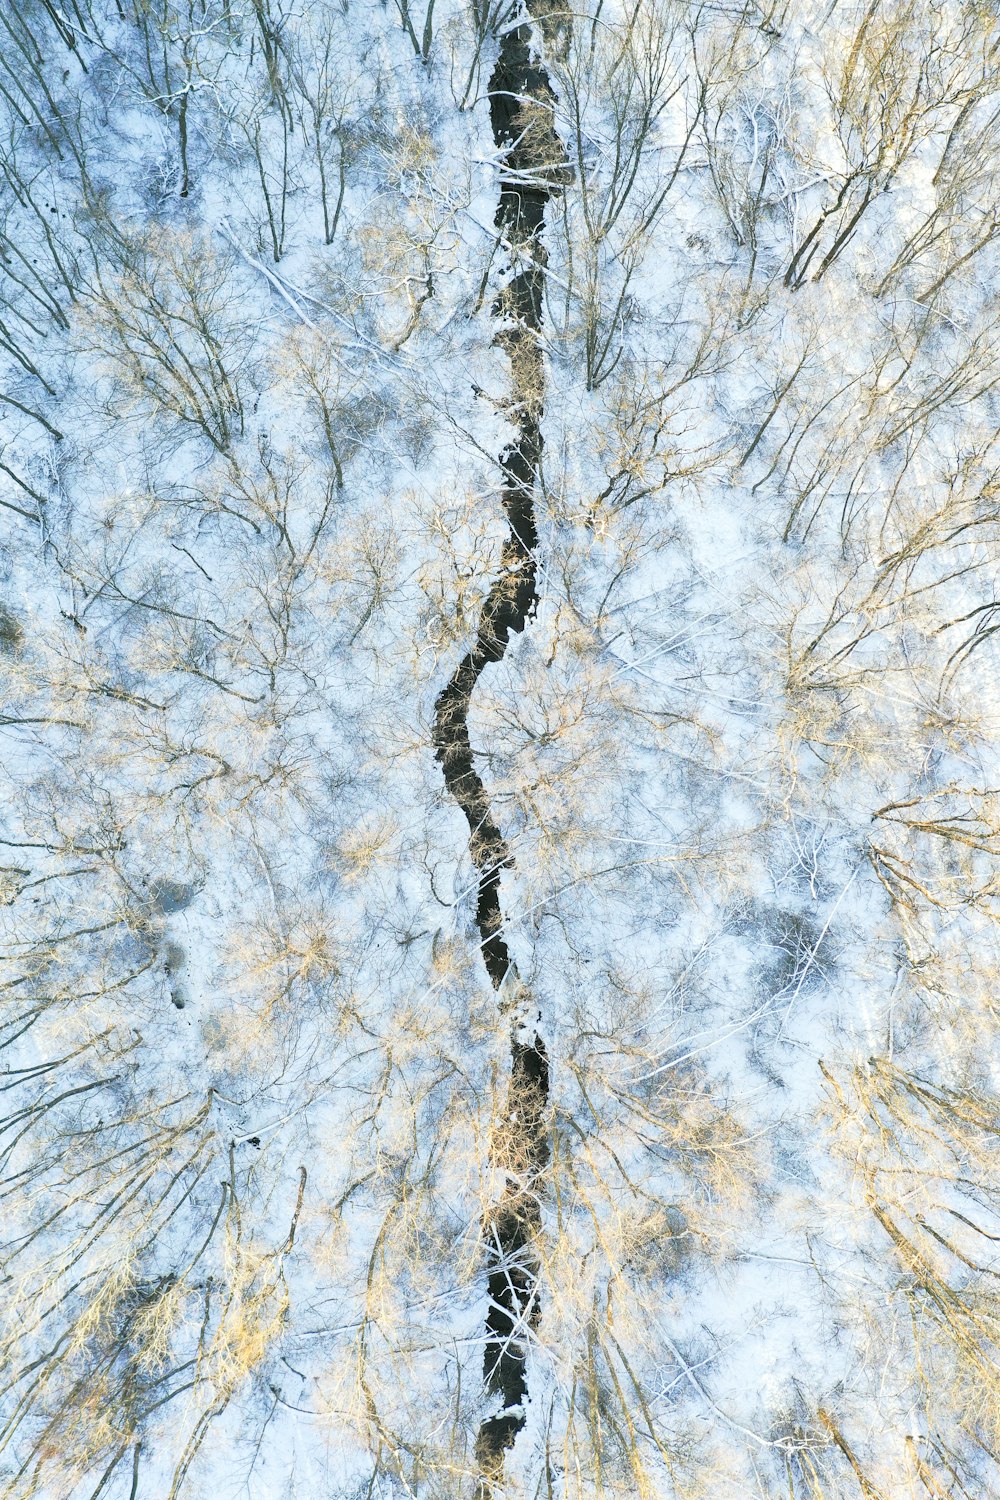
169 896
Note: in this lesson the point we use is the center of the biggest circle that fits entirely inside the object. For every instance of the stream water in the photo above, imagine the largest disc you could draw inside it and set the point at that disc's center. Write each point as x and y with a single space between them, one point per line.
521 114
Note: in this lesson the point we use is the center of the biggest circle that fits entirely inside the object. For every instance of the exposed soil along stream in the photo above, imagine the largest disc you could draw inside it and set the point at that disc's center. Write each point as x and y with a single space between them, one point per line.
534 166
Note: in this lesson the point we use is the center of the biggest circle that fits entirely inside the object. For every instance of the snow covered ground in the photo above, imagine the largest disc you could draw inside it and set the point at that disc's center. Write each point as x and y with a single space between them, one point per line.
744 755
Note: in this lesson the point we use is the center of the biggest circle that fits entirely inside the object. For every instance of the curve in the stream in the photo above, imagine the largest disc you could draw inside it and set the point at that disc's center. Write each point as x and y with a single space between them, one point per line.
521 115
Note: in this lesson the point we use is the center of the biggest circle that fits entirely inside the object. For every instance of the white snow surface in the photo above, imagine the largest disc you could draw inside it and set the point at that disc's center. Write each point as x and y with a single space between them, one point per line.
745 756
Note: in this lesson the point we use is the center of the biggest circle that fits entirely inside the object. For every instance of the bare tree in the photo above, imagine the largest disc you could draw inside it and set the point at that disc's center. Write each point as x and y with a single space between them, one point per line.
165 316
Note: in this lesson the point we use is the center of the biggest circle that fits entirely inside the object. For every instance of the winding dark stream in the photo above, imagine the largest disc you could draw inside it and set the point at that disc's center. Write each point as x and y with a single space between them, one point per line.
521 113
